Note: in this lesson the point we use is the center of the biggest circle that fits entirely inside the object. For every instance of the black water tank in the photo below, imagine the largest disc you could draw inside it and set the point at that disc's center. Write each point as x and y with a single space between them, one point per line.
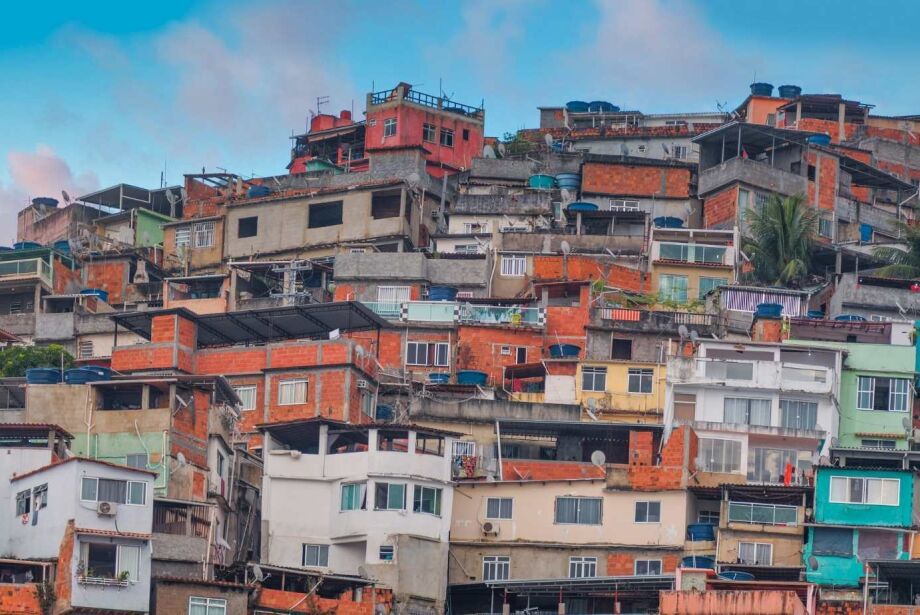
789 91
762 89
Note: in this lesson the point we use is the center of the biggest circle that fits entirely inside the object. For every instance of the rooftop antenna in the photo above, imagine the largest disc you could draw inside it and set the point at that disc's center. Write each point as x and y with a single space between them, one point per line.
321 100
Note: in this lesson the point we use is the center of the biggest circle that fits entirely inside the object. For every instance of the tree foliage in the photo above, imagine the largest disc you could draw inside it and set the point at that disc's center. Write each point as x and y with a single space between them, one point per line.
781 239
902 263
15 360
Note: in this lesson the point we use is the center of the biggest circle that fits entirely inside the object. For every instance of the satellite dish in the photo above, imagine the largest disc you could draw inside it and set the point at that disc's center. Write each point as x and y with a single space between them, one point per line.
257 573
598 458
667 151
835 442
694 337
624 149
906 423
501 149
683 332
488 152
180 458
548 139
565 247
812 562
66 197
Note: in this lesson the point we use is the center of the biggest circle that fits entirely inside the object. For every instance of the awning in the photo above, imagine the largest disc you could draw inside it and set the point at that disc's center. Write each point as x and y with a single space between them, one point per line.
552 587
526 370
263 325
757 136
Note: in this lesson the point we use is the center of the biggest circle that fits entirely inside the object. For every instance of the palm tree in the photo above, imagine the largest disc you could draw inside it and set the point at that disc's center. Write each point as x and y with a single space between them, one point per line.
781 239
902 263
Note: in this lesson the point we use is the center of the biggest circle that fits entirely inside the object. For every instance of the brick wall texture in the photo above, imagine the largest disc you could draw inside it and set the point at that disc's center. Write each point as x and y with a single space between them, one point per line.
635 180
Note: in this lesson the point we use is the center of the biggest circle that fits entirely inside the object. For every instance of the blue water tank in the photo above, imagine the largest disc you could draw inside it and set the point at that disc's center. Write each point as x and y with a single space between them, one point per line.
815 314
90 373
62 246
698 561
46 201
43 375
569 181
865 232
255 192
701 531
602 106
102 294
768 310
542 182
820 140
442 293
384 413
469 376
762 89
581 206
789 91
668 222
736 575
26 245
576 106
559 351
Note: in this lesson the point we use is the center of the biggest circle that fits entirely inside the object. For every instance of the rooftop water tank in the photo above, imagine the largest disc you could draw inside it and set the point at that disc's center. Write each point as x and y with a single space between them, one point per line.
569 181
98 292
668 222
824 140
576 106
26 245
90 373
62 246
581 206
602 106
789 91
255 192
43 375
559 351
762 89
45 201
542 182
469 376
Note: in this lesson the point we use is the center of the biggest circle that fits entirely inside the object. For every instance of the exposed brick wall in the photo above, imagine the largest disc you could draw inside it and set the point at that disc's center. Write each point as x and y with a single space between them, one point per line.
668 474
19 599
827 181
721 209
284 601
64 573
635 180
479 348
110 276
839 608
528 469
623 563
65 279
578 267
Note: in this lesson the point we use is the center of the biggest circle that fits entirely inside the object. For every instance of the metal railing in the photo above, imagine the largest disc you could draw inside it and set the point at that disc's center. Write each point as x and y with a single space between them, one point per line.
452 311
384 309
427 100
765 514
500 315
660 318
27 268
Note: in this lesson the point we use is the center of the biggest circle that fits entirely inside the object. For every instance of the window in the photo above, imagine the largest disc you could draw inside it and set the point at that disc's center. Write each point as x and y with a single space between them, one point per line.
247 395
624 205
729 370
768 465
429 132
354 496
755 553
594 379
386 553
797 414
640 380
825 227
647 567
137 460
389 127
744 200
183 236
466 134
832 541
854 490
464 448
679 152
315 555
220 464
427 500
85 349
385 204
496 568
766 514
23 502
393 441
466 248
293 391
204 234
325 214
771 119
111 490
719 455
513 266
672 288
447 137
709 284
207 606
877 544
889 394
708 516
499 508
581 511
247 227
747 411
429 444
691 253
108 561
389 496
520 354
40 496
621 350
472 228
648 512
875 443
582 567
428 353
391 298
642 148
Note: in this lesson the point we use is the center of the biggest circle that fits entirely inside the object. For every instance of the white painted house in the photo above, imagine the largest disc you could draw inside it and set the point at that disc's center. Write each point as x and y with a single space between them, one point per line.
370 501
755 406
94 518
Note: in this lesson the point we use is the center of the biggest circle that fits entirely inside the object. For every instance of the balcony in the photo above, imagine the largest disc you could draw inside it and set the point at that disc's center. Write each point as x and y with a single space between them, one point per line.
27 269
628 319
460 313
767 375
762 514
748 171
405 92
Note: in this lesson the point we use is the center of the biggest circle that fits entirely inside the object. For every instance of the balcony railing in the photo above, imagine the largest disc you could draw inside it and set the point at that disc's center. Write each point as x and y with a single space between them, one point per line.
763 514
656 319
27 268
455 312
753 374
104 581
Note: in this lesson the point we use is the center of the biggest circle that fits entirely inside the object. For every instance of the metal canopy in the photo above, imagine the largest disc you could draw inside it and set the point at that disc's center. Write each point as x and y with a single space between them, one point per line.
893 570
126 196
752 135
263 325
527 427
552 587
867 175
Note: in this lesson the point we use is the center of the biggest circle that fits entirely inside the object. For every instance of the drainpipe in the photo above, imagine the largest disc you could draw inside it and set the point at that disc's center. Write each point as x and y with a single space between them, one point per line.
498 434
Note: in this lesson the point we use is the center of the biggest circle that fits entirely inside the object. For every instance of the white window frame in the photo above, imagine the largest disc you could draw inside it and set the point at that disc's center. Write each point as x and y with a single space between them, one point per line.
503 514
426 128
418 496
247 389
579 500
582 567
648 508
322 555
680 152
903 393
441 356
671 295
648 563
496 567
595 372
211 606
183 236
473 228
446 137
865 490
513 266
138 456
128 484
85 349
120 549
298 384
466 248
640 374
389 127
757 547
463 448
203 234
728 446
360 503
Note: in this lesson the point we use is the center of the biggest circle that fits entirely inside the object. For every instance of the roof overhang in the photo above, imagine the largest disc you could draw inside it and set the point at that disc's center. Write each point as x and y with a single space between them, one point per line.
756 135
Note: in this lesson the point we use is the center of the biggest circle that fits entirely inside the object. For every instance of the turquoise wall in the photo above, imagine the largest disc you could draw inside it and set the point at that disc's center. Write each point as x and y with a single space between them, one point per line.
836 513
836 570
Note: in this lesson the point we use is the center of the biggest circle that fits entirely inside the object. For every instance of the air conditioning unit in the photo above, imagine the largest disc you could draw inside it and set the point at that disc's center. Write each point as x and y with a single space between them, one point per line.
106 509
363 384
489 529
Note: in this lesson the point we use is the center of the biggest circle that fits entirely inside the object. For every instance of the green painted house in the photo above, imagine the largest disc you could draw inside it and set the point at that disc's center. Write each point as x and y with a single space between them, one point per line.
860 515
137 227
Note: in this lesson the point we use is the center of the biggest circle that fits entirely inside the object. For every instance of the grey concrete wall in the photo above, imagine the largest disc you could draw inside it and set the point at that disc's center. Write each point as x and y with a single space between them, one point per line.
645 346
551 243
420 570
54 327
18 324
861 213
529 203
487 411
865 300
633 145
409 267
757 174
182 548
171 598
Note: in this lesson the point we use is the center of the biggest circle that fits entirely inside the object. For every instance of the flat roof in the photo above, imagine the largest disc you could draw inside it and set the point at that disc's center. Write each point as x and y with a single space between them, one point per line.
533 427
263 325
309 428
39 429
552 587
752 134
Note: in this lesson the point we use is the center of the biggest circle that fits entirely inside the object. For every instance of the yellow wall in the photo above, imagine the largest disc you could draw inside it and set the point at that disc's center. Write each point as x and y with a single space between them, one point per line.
693 274
617 403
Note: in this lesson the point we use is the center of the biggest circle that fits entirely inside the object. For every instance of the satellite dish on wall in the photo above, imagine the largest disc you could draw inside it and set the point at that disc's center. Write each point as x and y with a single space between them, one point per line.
488 152
257 573
565 247
812 562
181 460
598 458
548 139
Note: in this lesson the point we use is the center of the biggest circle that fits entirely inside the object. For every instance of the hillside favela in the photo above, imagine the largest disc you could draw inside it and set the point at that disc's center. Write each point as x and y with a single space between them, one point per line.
613 362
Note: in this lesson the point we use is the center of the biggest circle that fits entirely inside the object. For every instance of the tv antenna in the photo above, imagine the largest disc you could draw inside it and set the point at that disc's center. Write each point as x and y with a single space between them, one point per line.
321 100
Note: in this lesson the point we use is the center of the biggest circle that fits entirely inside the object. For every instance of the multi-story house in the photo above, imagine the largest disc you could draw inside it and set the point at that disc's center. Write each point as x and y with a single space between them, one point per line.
380 501
686 264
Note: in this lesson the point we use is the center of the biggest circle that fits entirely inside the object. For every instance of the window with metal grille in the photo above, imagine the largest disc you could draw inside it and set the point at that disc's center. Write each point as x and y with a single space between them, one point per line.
183 236
204 234
513 266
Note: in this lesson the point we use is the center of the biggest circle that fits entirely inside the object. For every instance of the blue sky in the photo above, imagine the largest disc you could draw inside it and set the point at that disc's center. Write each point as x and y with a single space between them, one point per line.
98 93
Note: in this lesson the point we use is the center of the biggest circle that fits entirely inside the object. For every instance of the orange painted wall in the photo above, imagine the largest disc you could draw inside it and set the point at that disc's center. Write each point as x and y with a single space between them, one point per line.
635 180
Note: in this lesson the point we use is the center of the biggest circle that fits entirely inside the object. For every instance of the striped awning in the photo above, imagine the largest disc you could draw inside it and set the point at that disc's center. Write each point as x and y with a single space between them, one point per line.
747 299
